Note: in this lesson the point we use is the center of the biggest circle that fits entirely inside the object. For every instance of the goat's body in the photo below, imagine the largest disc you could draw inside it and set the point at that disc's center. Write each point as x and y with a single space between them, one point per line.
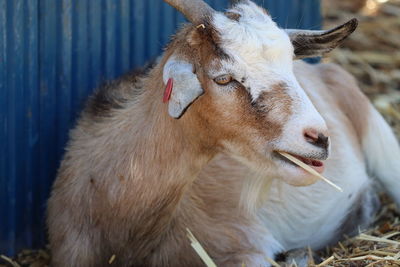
290 217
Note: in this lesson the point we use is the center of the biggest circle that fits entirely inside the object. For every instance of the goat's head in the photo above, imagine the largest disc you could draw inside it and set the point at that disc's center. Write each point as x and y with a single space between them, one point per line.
235 71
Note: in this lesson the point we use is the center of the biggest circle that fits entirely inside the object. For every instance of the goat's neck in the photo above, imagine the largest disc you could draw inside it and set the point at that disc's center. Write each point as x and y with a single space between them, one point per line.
161 160
162 146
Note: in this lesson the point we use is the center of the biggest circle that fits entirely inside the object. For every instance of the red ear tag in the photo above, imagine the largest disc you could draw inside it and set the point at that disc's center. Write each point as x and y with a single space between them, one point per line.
168 90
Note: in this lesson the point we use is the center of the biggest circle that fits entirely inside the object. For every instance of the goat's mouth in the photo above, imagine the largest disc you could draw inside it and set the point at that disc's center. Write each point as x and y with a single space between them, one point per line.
315 164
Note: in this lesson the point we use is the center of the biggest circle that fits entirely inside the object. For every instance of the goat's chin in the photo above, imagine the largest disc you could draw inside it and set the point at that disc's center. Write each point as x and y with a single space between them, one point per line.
296 176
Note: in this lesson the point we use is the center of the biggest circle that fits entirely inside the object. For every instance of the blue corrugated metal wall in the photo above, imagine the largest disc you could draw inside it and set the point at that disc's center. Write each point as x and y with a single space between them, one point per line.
52 54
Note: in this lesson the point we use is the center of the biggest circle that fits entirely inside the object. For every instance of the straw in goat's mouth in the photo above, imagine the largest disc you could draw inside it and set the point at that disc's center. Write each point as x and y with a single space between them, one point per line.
200 250
308 168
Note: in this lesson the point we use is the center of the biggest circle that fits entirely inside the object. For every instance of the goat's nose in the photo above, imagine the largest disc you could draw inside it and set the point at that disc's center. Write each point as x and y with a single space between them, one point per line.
316 138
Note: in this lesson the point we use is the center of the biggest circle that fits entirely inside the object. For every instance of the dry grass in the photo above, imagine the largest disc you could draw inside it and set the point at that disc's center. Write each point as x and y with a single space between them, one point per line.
378 246
31 258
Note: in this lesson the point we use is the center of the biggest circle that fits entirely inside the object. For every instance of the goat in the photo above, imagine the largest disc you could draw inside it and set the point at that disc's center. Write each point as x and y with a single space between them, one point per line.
129 182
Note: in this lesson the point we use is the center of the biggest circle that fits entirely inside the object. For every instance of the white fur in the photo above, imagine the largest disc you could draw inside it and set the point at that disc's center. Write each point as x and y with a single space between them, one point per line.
382 153
304 116
265 242
312 216
258 47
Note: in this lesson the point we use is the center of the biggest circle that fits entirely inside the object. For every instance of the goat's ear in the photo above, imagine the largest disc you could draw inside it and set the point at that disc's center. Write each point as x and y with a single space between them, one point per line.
317 43
186 86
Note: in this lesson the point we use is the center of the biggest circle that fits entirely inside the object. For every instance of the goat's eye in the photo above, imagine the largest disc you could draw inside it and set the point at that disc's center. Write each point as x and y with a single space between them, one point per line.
223 79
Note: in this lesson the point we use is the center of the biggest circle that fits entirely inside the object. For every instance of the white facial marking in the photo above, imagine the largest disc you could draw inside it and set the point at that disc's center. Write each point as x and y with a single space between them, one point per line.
260 50
304 116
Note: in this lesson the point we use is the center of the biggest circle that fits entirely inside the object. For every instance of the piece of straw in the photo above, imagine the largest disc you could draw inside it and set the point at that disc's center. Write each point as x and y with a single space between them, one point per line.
371 257
200 250
272 262
376 239
112 259
10 261
309 169
311 261
327 261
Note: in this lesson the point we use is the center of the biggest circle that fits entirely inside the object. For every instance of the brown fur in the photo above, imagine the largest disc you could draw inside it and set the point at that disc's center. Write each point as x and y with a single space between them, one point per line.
126 186
276 99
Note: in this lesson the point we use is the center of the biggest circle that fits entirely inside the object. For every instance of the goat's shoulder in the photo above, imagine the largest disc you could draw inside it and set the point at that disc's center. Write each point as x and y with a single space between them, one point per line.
348 95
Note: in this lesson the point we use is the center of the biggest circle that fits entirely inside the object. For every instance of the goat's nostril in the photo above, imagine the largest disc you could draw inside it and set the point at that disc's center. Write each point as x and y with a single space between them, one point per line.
317 139
311 135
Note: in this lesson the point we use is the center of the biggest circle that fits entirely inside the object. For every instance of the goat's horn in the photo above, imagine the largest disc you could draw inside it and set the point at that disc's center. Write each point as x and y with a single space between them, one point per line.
194 10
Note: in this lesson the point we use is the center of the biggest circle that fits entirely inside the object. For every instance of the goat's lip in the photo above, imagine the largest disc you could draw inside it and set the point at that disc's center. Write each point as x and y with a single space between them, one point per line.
317 165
